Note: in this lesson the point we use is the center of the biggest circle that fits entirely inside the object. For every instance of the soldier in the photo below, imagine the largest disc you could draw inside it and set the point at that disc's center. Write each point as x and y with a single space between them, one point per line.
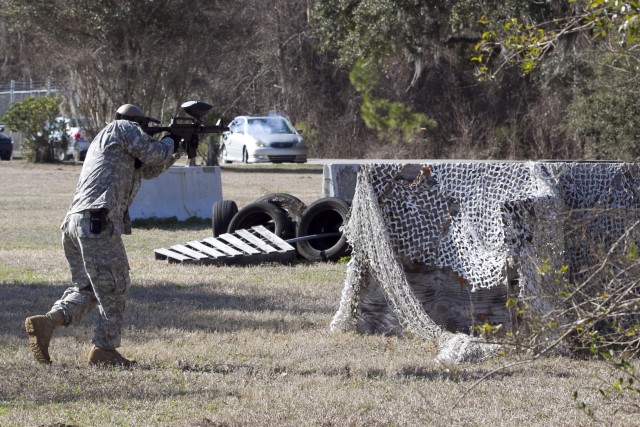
119 156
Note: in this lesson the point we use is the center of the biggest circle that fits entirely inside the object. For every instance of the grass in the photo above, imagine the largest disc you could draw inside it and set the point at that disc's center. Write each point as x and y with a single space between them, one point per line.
226 346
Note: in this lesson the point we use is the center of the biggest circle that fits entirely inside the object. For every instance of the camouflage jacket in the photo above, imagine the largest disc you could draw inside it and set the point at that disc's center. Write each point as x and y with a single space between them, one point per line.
110 179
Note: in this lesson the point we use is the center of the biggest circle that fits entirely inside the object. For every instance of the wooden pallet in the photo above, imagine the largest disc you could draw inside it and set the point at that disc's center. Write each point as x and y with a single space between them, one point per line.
255 246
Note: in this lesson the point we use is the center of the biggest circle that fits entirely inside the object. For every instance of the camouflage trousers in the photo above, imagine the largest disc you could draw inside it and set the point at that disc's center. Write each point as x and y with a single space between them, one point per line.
99 276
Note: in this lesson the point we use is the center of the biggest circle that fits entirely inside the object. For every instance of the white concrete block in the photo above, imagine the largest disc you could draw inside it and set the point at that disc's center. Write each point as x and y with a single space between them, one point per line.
180 192
339 180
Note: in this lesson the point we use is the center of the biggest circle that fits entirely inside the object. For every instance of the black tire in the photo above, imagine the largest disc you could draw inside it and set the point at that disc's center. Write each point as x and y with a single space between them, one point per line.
293 207
221 215
270 216
60 154
323 216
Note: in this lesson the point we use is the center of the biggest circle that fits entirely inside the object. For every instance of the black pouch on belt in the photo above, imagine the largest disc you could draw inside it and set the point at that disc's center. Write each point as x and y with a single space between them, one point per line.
97 220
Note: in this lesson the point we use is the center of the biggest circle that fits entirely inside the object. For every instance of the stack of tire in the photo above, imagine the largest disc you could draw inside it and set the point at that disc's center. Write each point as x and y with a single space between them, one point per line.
315 229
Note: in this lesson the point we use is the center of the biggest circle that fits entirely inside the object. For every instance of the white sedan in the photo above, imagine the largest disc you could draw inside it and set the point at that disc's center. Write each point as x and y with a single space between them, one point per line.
262 140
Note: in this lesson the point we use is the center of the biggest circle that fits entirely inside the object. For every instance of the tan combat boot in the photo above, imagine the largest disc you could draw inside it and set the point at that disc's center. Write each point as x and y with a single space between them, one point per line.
40 330
101 356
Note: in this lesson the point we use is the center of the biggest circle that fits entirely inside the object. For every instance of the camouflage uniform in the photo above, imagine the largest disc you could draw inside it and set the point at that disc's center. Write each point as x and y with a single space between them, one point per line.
119 156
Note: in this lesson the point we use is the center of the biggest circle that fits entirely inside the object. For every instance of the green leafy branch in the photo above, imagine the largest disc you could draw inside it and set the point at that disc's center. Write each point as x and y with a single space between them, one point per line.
517 43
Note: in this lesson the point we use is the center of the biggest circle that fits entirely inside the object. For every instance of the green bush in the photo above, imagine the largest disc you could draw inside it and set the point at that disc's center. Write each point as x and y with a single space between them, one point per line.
605 113
35 118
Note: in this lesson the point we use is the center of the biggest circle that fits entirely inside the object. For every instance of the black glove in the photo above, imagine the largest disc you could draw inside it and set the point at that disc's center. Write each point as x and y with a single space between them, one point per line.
176 141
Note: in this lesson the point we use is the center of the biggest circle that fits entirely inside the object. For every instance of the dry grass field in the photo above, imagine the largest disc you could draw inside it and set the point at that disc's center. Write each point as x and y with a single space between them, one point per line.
230 346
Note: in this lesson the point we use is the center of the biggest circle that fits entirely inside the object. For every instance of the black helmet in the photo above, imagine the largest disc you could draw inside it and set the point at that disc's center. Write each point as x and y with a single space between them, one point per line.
133 113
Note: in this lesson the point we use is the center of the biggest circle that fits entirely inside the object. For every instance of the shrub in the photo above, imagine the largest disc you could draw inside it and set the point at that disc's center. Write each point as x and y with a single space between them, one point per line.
605 113
35 118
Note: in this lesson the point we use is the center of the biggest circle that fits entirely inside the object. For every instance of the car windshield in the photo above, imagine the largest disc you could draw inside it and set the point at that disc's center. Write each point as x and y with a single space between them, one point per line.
269 125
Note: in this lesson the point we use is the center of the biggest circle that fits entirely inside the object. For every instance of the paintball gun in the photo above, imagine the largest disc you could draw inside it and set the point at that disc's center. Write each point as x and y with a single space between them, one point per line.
189 128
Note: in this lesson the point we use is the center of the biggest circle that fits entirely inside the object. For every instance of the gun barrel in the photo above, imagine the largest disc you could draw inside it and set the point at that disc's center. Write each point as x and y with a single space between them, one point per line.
212 129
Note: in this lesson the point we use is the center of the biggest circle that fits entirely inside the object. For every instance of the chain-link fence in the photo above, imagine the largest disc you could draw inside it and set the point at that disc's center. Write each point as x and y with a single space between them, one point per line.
18 91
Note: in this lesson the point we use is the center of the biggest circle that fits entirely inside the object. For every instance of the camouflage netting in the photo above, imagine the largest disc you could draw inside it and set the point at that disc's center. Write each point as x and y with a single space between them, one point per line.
484 221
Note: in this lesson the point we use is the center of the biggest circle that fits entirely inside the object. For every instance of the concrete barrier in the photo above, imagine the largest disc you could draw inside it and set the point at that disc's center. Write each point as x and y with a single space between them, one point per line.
339 180
180 192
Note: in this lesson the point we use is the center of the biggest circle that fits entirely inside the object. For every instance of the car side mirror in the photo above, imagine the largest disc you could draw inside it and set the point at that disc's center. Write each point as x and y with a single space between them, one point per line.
1 128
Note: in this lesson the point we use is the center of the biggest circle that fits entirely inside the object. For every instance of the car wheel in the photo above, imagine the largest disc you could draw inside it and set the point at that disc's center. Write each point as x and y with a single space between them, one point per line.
323 216
222 213
293 207
270 216
60 154
5 157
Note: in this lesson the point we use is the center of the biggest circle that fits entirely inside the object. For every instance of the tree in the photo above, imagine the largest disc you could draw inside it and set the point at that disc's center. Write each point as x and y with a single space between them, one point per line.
125 51
35 118
244 57
525 41
421 51
392 120
603 113
295 57
592 42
